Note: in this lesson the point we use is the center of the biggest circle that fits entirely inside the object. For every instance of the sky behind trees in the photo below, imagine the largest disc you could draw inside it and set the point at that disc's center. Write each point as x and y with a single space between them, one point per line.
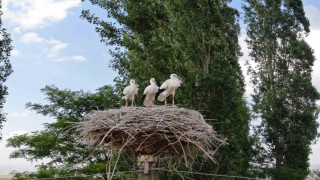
52 45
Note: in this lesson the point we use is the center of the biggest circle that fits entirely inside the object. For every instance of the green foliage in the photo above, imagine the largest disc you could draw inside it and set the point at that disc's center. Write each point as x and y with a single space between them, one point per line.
43 172
54 173
287 173
198 40
284 98
59 142
5 67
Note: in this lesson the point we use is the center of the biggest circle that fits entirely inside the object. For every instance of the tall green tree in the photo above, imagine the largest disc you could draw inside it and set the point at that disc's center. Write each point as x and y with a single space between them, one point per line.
284 97
198 40
60 142
5 67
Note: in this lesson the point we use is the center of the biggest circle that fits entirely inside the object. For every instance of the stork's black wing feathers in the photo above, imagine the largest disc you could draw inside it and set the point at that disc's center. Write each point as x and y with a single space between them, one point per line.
159 92
143 97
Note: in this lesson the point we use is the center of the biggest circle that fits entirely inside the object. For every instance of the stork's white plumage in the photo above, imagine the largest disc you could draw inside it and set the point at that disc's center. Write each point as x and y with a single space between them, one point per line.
130 91
169 87
150 92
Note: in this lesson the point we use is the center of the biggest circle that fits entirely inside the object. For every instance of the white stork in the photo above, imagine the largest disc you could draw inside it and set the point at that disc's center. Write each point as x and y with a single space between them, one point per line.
169 87
149 93
130 91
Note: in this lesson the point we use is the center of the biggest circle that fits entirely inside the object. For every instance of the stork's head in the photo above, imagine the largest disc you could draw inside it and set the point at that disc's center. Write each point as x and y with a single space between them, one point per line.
132 81
153 81
174 76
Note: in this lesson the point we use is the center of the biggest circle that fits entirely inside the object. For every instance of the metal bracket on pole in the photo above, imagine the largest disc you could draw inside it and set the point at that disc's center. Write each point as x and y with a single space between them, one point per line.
146 163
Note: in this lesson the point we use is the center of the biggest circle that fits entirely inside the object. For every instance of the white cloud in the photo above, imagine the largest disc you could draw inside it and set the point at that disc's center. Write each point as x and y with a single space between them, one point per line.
242 62
313 40
78 58
17 133
31 14
31 37
7 165
55 49
20 114
61 59
15 52
17 30
54 52
313 15
315 156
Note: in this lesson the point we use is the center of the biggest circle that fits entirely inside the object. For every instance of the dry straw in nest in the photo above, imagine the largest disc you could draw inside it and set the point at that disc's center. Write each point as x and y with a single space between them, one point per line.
152 130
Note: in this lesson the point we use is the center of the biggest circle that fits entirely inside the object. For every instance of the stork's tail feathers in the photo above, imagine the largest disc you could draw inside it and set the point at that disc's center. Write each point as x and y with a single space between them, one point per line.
146 100
124 97
147 103
160 96
159 92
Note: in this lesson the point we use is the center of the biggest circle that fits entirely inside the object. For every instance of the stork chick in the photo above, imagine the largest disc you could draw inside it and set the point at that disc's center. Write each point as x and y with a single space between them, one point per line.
130 91
169 87
149 93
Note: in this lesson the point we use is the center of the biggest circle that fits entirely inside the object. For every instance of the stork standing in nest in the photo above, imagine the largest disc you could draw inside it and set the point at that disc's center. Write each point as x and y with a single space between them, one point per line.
169 87
130 92
150 92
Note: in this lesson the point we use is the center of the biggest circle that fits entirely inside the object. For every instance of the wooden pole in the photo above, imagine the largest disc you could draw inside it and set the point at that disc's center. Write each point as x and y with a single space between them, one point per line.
146 163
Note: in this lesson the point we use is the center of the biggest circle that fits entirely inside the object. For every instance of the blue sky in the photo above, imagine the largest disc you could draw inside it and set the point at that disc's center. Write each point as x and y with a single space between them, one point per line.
52 45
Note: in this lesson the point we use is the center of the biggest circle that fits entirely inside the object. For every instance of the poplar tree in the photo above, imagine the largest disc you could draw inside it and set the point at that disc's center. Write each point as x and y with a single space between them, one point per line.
198 40
284 97
5 67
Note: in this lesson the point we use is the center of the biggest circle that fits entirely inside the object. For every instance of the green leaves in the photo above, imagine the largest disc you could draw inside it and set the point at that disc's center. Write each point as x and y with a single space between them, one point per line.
5 68
35 146
284 96
59 142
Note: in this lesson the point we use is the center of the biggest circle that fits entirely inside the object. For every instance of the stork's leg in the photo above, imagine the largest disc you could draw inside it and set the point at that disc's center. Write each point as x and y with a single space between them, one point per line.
126 102
165 101
173 100
132 102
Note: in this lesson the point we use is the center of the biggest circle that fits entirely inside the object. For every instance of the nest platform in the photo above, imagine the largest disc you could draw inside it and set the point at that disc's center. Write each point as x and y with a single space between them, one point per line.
151 130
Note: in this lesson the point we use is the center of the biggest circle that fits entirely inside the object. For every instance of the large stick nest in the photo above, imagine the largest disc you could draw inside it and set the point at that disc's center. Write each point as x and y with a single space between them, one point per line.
152 130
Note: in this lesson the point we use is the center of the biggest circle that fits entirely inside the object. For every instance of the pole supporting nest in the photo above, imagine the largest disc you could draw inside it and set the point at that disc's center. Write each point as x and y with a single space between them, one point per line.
146 163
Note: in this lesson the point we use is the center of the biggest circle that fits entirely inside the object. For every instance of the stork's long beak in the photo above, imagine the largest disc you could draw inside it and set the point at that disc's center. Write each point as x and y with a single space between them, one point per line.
180 79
